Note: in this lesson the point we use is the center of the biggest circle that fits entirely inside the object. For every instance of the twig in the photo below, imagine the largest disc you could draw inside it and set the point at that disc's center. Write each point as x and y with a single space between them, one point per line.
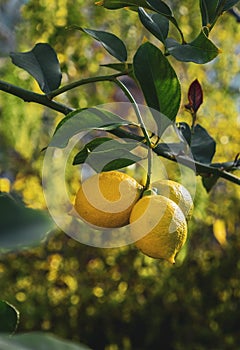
29 96
81 82
200 168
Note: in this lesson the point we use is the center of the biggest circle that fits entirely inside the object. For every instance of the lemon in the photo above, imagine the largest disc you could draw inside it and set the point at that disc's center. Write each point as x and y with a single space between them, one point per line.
106 199
176 192
161 226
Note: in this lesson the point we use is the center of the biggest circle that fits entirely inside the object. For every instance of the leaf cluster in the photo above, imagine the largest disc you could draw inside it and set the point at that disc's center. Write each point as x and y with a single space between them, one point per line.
154 74
158 81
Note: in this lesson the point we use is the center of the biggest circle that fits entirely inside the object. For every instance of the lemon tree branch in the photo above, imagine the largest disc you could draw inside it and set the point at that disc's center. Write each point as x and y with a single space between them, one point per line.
81 82
29 96
200 168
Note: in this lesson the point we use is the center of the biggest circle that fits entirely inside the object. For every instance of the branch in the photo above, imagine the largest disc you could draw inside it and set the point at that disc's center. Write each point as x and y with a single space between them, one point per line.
200 168
29 96
81 82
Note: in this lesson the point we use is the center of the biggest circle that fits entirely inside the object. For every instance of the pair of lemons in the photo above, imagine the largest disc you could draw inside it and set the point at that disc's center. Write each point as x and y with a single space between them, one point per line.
157 217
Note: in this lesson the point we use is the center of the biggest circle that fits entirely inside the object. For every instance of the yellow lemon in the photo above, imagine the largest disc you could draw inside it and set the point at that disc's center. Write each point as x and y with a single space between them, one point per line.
177 193
106 199
159 227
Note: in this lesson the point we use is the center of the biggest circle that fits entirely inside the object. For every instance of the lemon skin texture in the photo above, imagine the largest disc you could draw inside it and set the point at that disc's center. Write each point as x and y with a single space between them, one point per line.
176 192
159 227
105 200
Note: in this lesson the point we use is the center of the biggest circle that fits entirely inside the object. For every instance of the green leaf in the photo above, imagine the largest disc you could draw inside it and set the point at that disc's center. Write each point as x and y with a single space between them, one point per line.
21 226
104 154
209 181
42 63
109 41
117 4
85 119
163 9
157 24
121 163
229 4
158 81
9 317
81 156
201 50
38 341
170 149
212 9
203 146
208 11
185 131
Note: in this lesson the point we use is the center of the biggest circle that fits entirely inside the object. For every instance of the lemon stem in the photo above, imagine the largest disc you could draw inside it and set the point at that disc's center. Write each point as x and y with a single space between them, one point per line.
143 126
149 173
136 109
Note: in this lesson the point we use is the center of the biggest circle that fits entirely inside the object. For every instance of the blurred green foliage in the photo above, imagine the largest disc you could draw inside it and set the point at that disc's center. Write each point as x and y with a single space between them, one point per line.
115 299
120 299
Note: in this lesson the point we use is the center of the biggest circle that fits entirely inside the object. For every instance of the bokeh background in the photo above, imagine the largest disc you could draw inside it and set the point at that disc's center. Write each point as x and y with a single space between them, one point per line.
114 299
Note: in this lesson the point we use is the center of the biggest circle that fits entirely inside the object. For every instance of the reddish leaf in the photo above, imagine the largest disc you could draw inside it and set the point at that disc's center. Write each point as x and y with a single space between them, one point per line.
195 96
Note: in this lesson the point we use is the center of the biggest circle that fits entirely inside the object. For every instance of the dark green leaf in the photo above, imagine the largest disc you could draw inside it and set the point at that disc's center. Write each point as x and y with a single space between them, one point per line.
158 81
120 163
157 24
208 11
84 119
160 7
171 149
9 317
109 41
163 9
209 181
212 9
42 63
229 4
101 154
81 156
102 161
117 4
21 226
203 146
185 131
201 50
38 341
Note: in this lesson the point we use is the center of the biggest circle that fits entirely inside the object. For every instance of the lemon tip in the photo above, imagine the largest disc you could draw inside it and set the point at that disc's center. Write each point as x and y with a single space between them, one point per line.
171 260
99 3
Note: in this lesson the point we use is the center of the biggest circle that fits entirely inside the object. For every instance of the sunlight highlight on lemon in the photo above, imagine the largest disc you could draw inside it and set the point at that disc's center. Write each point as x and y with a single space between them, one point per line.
177 193
106 199
164 226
